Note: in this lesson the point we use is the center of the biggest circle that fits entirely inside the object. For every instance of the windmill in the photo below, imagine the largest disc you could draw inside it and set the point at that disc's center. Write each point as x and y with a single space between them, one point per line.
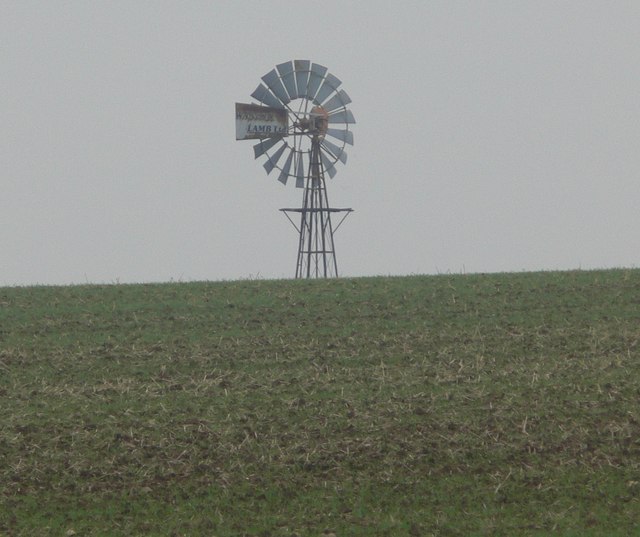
302 124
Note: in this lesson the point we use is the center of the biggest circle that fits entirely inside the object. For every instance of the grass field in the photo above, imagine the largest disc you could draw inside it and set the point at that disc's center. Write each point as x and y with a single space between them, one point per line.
503 404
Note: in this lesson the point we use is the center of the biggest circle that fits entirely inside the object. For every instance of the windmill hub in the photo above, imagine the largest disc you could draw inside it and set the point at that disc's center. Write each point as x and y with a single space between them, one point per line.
320 119
316 122
301 107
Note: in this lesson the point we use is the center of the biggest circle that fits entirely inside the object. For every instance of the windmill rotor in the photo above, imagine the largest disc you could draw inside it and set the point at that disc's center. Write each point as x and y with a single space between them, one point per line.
315 106
302 126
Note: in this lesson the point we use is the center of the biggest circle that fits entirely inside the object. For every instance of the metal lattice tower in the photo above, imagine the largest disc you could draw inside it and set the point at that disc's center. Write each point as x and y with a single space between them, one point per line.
316 247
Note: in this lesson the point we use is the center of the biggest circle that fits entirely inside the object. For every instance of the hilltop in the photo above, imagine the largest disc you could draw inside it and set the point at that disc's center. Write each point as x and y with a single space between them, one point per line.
502 404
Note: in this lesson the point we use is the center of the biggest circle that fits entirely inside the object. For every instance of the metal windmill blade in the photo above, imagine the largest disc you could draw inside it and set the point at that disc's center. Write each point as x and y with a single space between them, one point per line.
339 100
344 116
329 86
328 165
263 95
284 173
264 146
337 152
300 170
273 82
316 76
287 76
302 70
273 160
344 135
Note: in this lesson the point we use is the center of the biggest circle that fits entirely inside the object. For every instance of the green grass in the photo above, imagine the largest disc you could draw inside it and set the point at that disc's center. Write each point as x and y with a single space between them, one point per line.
430 405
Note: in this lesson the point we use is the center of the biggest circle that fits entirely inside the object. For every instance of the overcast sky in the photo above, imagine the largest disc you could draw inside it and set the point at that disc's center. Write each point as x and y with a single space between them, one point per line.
491 136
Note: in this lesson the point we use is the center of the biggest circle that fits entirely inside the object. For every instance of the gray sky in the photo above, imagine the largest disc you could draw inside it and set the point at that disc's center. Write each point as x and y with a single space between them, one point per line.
491 136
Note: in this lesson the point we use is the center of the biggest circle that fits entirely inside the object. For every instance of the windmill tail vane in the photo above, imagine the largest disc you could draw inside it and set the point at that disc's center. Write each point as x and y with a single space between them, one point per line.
301 123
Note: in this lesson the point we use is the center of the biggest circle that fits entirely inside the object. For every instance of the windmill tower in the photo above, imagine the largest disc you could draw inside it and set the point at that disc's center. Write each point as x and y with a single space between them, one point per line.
300 107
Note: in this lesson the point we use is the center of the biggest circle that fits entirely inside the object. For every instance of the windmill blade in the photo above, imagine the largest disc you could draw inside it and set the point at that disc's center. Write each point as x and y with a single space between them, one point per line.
288 79
301 67
328 165
263 95
339 100
264 146
273 160
344 116
336 151
300 172
329 85
315 79
344 135
272 80
284 173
